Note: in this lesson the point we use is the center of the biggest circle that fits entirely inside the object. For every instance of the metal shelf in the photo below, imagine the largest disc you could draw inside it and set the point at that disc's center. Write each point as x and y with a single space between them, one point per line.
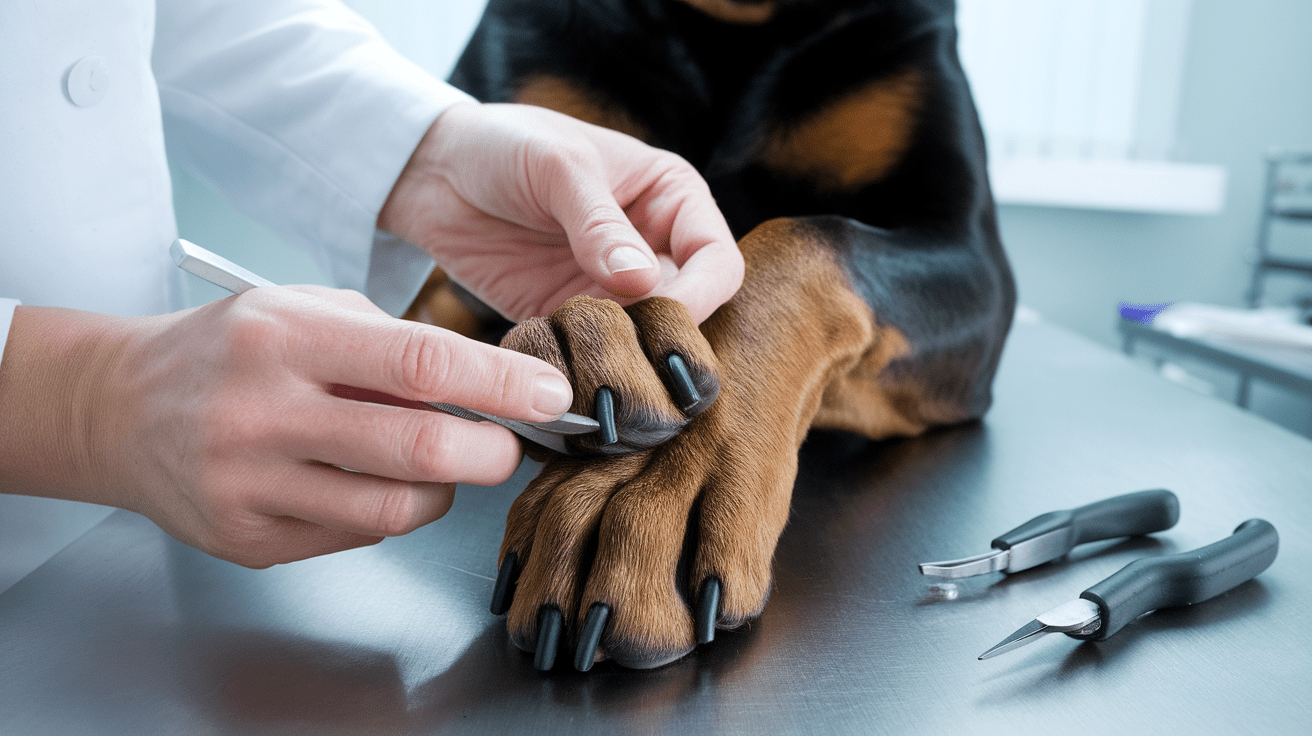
1277 188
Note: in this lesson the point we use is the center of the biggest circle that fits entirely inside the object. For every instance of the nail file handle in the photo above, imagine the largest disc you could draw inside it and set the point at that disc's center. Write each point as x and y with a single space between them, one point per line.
1180 580
214 268
1052 535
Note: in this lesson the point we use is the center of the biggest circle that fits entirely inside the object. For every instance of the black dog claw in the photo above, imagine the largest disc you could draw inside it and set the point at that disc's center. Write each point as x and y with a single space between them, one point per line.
590 636
605 410
550 624
708 610
504 589
685 392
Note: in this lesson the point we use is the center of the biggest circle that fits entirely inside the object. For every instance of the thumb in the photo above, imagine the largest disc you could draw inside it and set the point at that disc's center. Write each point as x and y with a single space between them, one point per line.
419 362
605 244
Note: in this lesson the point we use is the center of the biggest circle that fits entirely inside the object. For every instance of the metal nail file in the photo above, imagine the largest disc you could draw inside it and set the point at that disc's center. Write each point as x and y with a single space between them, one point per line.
221 272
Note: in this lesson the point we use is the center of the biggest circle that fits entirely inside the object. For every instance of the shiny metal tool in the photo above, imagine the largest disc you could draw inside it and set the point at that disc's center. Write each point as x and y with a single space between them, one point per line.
221 272
1053 535
1153 583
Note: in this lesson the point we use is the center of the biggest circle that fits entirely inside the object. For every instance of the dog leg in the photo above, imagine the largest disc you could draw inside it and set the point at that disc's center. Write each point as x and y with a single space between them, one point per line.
622 555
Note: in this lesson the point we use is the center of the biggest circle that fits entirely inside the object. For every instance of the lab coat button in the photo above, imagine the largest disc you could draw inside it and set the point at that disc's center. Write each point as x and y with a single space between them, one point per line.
87 81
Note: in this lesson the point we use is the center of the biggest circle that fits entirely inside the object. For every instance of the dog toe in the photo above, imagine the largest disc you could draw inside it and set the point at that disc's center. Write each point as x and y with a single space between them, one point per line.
673 342
642 372
646 655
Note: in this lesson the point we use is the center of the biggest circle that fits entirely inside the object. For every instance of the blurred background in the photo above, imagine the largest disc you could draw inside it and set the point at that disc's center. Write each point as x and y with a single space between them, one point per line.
1127 142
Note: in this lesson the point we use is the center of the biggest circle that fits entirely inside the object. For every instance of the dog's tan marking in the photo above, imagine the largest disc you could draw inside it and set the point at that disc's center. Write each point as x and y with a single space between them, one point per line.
873 405
867 402
565 96
436 304
795 330
774 381
854 140
730 11
535 337
549 532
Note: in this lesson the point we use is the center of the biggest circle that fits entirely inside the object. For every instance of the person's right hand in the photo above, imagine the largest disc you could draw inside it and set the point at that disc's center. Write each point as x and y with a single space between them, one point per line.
230 426
527 207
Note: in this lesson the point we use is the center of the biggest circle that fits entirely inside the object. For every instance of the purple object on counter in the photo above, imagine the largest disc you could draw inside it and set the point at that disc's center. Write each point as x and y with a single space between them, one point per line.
1141 312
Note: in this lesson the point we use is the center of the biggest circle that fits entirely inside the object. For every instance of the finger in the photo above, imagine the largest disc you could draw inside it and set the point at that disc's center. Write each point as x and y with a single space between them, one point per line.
345 298
289 539
710 266
605 244
360 504
425 363
404 444
708 279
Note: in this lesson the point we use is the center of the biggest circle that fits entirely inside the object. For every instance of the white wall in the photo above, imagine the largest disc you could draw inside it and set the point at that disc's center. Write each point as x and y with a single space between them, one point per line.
1247 86
432 33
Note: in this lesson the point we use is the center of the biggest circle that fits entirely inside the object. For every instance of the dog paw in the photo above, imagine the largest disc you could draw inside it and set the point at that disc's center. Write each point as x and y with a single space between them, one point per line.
638 558
642 371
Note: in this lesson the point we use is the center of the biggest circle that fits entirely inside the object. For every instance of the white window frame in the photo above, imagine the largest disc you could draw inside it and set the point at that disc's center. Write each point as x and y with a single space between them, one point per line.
1078 98
1079 101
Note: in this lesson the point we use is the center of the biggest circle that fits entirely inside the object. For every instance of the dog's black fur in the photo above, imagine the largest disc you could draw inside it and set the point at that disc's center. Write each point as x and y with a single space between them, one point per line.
852 117
921 242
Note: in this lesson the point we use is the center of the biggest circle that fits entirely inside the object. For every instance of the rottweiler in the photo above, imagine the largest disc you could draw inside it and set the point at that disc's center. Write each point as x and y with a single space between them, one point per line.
841 142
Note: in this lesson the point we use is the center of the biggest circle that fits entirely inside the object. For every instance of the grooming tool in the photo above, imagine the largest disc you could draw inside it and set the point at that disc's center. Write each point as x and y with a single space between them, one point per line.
221 272
1152 583
1053 535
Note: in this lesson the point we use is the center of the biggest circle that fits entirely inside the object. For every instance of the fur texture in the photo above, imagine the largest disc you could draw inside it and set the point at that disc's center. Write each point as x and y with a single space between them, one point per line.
841 143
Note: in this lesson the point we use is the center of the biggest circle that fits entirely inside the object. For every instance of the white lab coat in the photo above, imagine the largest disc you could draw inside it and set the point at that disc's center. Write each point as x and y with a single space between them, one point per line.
296 110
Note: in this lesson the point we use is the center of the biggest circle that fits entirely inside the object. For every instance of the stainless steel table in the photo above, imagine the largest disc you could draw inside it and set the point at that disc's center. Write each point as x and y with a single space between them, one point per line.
128 632
1286 367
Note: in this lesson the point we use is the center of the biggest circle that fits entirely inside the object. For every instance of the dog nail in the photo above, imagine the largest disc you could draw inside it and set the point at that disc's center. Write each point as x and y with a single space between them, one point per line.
590 636
708 610
685 393
550 624
605 404
504 589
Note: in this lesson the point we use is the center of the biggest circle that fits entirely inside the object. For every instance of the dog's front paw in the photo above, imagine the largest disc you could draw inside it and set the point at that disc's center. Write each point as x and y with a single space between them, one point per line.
639 557
642 371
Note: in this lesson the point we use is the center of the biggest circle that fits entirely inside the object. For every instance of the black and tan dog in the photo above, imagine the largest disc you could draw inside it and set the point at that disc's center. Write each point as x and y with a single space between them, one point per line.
841 143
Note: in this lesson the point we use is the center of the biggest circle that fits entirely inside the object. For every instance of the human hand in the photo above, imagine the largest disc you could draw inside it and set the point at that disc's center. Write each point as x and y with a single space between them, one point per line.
526 207
229 425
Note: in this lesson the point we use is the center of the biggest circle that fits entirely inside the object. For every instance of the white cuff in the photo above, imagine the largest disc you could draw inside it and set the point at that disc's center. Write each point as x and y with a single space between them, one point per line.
397 271
302 117
6 317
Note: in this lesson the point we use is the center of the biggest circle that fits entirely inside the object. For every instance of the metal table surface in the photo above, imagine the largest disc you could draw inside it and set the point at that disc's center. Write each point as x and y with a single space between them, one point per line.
1287 367
127 631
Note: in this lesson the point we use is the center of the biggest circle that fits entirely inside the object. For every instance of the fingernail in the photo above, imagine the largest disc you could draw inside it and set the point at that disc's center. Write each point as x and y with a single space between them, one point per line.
627 258
552 394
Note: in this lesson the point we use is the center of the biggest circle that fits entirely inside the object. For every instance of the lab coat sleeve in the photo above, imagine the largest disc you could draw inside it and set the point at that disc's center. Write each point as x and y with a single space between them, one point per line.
302 116
6 317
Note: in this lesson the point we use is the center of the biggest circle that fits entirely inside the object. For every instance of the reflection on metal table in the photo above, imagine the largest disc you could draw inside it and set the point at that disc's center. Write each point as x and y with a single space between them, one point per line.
128 631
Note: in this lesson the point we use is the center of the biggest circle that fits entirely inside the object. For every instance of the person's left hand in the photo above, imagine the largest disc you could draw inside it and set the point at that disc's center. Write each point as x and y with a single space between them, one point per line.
526 207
